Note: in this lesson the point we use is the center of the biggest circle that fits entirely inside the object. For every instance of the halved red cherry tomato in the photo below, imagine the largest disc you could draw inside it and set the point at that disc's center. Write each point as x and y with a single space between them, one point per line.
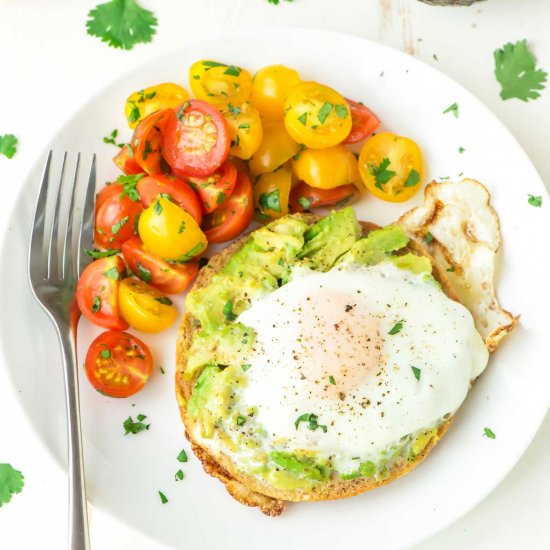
233 217
115 216
364 122
126 162
160 274
196 139
97 292
215 189
304 197
118 364
179 191
147 141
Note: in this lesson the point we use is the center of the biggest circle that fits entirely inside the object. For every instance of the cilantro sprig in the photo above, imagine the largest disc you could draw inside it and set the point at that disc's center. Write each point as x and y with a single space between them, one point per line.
111 139
11 482
121 23
381 173
516 72
8 145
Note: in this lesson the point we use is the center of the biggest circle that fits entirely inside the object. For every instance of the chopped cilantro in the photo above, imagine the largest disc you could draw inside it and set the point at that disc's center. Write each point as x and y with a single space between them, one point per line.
96 253
240 420
324 111
212 64
163 498
311 419
146 150
118 226
143 273
452 109
451 269
164 300
121 23
416 372
303 118
228 311
8 145
515 71
277 2
96 304
304 202
112 273
141 417
181 228
131 427
270 201
179 475
397 327
489 433
245 367
381 173
220 198
331 380
105 354
534 201
129 186
232 71
110 139
157 208
412 179
429 237
11 482
134 113
461 150
244 126
341 111
182 457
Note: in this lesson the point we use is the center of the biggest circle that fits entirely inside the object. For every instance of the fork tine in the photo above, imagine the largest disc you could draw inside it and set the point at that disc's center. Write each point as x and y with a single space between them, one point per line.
68 254
36 253
85 237
53 252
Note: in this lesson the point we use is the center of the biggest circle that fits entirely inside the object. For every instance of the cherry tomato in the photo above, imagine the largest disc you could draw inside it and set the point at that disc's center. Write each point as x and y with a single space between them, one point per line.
118 364
219 84
126 162
233 217
316 115
304 197
270 87
170 232
363 122
179 191
276 148
97 292
144 307
246 129
391 167
327 168
215 189
162 96
160 274
147 142
196 139
115 216
271 192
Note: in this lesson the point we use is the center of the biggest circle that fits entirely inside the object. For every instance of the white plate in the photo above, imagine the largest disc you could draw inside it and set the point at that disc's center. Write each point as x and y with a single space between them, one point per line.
125 473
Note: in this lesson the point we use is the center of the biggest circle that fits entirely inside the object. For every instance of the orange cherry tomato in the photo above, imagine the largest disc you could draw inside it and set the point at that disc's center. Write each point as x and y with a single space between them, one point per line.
233 217
97 292
118 364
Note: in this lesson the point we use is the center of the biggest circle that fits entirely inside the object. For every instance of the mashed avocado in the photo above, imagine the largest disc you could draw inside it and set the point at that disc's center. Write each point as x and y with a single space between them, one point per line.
220 347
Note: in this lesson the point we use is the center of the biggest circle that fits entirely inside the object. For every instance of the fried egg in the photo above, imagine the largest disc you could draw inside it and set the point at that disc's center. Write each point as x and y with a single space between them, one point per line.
375 353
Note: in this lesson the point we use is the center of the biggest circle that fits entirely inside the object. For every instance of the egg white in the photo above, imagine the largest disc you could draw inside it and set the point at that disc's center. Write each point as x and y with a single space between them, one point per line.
323 346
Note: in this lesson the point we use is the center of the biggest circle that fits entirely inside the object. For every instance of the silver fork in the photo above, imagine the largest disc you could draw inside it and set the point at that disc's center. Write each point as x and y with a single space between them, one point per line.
56 260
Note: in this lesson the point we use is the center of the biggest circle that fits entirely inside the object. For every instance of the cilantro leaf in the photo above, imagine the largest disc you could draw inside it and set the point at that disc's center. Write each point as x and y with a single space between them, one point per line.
452 109
489 433
131 427
416 372
270 201
412 179
96 253
121 23
535 201
515 71
8 145
228 311
381 173
163 498
396 328
129 184
111 139
11 482
311 419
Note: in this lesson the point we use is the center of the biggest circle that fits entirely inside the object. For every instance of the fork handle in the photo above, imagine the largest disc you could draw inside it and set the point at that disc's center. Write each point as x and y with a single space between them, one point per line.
78 513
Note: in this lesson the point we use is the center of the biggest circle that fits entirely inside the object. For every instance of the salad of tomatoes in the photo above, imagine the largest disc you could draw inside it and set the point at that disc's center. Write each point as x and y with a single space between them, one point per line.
197 168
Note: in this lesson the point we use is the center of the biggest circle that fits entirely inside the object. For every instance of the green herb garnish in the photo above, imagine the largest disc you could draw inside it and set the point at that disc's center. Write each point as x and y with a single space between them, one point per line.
11 482
228 311
535 201
129 186
143 273
96 304
112 273
164 300
118 226
131 427
381 173
452 109
489 433
110 139
311 420
331 380
397 327
182 457
429 237
412 179
270 201
8 145
163 498
324 111
96 253
416 372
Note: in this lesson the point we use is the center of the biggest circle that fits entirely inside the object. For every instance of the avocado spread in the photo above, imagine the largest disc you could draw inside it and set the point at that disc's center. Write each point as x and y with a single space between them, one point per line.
217 357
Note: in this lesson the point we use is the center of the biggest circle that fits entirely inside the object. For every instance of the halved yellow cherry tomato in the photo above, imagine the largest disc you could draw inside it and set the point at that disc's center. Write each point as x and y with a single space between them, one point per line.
170 232
220 84
246 129
317 115
162 96
391 167
327 168
270 87
276 148
145 308
271 192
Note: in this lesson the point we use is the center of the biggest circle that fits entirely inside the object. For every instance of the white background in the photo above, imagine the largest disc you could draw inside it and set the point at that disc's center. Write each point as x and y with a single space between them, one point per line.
50 67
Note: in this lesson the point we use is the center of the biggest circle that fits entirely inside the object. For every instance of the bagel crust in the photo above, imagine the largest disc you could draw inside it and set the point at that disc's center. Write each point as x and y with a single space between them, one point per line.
249 490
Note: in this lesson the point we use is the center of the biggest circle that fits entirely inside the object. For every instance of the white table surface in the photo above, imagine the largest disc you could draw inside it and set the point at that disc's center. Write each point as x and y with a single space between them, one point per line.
49 67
